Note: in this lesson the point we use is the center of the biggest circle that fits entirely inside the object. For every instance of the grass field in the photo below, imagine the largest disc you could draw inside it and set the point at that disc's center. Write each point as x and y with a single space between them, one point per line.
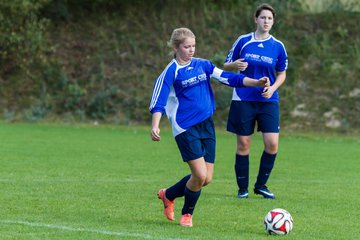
100 182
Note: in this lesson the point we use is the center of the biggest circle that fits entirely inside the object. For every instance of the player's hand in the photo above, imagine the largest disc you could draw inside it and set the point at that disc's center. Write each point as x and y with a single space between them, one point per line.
268 92
240 64
264 82
155 134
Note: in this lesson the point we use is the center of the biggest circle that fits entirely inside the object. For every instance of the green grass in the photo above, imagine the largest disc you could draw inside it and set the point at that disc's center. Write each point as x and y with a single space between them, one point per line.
100 182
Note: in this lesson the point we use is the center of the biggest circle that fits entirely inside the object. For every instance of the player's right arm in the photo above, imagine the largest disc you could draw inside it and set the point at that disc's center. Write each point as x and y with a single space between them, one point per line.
233 62
162 88
159 98
155 130
238 65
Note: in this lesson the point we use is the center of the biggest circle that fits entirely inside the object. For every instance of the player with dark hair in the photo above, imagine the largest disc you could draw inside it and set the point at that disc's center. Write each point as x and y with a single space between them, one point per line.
183 91
257 54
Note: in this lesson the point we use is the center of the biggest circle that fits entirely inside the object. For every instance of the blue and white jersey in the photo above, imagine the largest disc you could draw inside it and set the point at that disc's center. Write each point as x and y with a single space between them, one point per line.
265 57
184 92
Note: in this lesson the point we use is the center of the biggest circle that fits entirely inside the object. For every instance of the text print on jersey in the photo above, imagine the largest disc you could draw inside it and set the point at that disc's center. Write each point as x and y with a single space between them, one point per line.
194 80
258 58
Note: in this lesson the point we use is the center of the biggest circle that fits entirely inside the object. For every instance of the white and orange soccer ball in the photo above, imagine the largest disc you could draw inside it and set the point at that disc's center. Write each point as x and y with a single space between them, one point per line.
278 221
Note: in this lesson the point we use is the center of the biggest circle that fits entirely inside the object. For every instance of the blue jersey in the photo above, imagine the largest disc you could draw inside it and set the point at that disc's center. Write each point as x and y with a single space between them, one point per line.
265 57
184 92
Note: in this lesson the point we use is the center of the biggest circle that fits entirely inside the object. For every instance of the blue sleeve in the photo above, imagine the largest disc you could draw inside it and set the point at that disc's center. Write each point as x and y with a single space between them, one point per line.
227 78
233 54
282 62
161 89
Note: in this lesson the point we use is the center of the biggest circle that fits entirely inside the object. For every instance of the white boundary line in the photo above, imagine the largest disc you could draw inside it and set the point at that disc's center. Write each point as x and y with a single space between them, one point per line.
85 230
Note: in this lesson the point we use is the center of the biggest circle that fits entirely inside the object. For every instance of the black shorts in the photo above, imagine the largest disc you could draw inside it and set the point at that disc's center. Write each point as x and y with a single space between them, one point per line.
244 114
198 141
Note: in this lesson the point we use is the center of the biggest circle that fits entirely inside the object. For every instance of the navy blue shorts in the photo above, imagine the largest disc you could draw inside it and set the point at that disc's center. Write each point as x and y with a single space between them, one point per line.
198 141
244 114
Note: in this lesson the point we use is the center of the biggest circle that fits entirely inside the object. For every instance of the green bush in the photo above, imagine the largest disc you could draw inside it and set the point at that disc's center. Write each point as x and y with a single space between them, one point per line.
99 59
22 39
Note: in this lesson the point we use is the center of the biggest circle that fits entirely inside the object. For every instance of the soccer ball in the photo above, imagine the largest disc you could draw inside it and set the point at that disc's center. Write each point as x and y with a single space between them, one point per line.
278 221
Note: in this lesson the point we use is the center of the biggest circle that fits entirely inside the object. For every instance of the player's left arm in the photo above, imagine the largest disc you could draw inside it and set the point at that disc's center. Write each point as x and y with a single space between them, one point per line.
237 79
269 91
232 79
280 68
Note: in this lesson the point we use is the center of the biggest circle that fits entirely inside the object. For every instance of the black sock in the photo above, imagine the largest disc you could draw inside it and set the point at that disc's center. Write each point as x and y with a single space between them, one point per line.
242 171
177 190
191 199
266 165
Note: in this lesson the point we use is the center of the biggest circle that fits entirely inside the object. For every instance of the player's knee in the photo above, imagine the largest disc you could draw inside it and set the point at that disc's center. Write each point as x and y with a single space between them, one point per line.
199 180
271 147
243 148
208 180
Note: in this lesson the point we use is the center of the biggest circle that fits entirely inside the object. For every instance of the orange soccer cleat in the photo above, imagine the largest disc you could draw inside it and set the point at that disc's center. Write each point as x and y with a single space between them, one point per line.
168 205
186 220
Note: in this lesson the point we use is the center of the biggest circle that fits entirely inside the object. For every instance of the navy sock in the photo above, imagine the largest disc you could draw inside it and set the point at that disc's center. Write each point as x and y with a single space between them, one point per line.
191 199
242 171
178 189
266 165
